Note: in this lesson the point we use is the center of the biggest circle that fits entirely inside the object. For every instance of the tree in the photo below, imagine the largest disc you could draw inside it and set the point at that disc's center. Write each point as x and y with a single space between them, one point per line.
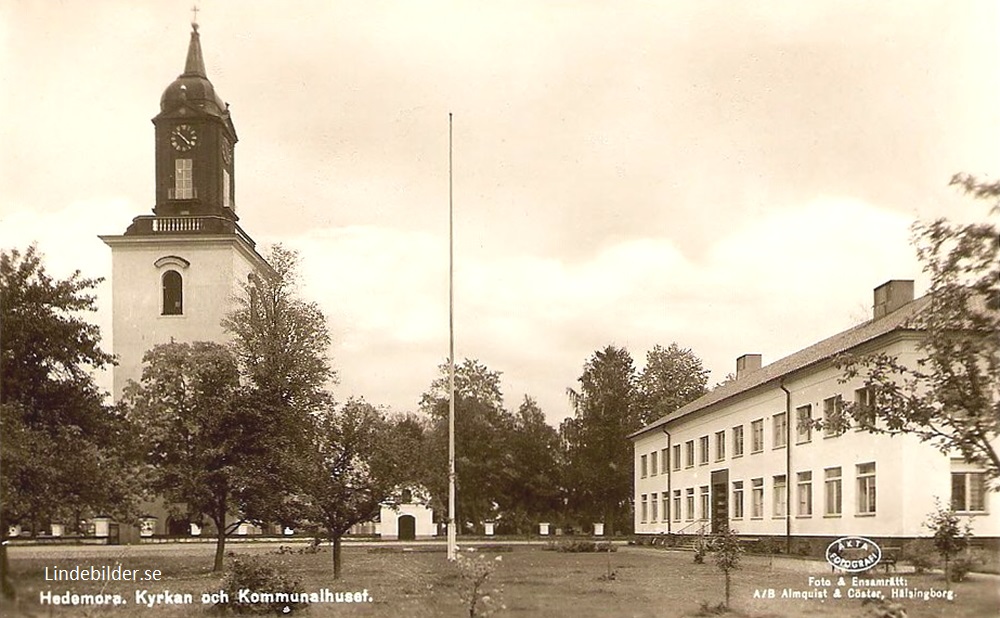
281 344
482 427
728 551
64 454
950 397
673 377
950 538
599 454
358 460
532 465
196 433
281 341
730 377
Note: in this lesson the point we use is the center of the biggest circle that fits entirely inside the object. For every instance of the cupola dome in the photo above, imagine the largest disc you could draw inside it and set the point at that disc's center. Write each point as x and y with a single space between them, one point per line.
192 88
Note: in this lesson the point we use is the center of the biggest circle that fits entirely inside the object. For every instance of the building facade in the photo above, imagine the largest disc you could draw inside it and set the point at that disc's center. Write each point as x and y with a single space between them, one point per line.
746 455
177 272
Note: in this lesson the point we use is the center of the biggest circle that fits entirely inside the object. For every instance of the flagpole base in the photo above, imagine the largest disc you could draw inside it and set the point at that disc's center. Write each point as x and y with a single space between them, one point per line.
452 542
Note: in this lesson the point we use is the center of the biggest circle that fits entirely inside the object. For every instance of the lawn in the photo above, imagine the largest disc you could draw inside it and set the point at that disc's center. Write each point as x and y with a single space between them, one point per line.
532 582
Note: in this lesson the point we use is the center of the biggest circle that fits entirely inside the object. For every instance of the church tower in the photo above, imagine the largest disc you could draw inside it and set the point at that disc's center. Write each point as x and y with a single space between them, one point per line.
175 273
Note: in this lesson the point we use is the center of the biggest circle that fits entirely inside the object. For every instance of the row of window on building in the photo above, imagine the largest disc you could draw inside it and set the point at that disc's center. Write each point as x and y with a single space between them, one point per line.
655 462
967 490
833 500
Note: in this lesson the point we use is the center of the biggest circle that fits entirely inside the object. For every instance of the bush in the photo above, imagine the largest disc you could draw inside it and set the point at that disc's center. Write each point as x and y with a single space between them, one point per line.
882 608
253 574
699 553
960 567
581 547
479 597
921 555
803 548
314 547
707 609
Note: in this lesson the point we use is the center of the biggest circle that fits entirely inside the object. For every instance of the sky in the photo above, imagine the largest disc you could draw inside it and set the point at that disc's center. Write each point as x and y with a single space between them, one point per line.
735 177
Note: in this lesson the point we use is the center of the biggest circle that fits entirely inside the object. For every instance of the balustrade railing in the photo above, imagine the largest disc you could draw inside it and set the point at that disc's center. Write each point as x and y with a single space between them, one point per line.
187 224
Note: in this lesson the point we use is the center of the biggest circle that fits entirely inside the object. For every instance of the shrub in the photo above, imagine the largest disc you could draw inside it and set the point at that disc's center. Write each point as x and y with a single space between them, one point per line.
701 547
480 599
960 567
581 547
253 574
314 547
803 548
882 608
950 538
699 553
921 555
707 609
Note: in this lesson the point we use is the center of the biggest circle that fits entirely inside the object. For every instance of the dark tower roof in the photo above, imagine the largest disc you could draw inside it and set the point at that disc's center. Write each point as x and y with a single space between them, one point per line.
192 88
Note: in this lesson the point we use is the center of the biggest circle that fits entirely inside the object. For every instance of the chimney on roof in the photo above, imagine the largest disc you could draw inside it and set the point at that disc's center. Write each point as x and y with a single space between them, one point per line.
746 364
892 295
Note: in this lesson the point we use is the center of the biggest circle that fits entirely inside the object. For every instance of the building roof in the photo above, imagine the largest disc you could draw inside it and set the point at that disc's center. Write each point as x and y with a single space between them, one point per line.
901 319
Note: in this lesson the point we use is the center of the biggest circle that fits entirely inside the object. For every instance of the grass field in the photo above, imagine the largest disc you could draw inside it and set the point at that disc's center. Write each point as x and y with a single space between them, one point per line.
532 582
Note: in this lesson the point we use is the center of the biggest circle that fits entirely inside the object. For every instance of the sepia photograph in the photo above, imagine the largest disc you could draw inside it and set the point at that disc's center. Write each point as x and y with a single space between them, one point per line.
572 309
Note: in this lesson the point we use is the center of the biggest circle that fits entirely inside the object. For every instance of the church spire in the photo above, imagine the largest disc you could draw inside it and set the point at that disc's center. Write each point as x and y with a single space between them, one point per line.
195 65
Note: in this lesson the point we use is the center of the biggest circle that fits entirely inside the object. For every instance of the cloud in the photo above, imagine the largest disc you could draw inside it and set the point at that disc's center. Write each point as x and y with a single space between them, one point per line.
784 282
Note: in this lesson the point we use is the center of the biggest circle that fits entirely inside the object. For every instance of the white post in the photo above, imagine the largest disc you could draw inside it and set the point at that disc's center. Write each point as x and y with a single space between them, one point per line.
102 527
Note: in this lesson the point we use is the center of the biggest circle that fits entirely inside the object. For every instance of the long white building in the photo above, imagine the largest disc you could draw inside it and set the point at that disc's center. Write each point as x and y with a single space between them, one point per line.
741 455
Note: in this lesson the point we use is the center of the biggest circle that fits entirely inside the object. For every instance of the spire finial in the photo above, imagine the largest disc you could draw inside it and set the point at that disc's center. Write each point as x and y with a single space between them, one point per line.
194 17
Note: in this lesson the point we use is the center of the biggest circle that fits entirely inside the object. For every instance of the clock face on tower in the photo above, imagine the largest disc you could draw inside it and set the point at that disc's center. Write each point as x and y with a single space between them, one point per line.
183 137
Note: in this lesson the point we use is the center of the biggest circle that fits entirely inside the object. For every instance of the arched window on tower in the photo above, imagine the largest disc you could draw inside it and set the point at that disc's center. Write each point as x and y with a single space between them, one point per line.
173 293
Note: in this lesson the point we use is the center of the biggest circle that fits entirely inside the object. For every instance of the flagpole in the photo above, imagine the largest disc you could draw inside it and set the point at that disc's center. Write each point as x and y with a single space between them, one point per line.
452 540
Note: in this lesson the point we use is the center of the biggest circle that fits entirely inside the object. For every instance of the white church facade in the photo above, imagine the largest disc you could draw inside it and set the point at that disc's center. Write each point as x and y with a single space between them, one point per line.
740 455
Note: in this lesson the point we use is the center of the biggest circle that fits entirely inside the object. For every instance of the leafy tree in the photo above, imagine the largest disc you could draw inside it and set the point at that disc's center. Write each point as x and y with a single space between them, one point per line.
532 465
64 454
673 377
730 377
950 538
281 341
281 344
728 552
599 454
358 459
950 397
196 432
482 427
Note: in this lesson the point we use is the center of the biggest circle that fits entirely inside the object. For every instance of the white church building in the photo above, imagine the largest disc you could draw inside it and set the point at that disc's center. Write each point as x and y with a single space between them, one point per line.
740 456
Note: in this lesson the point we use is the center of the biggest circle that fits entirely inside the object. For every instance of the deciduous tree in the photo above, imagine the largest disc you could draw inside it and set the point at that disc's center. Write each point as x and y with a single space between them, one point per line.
280 340
64 453
728 552
482 427
673 376
281 344
195 433
950 537
359 458
532 469
599 454
950 397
